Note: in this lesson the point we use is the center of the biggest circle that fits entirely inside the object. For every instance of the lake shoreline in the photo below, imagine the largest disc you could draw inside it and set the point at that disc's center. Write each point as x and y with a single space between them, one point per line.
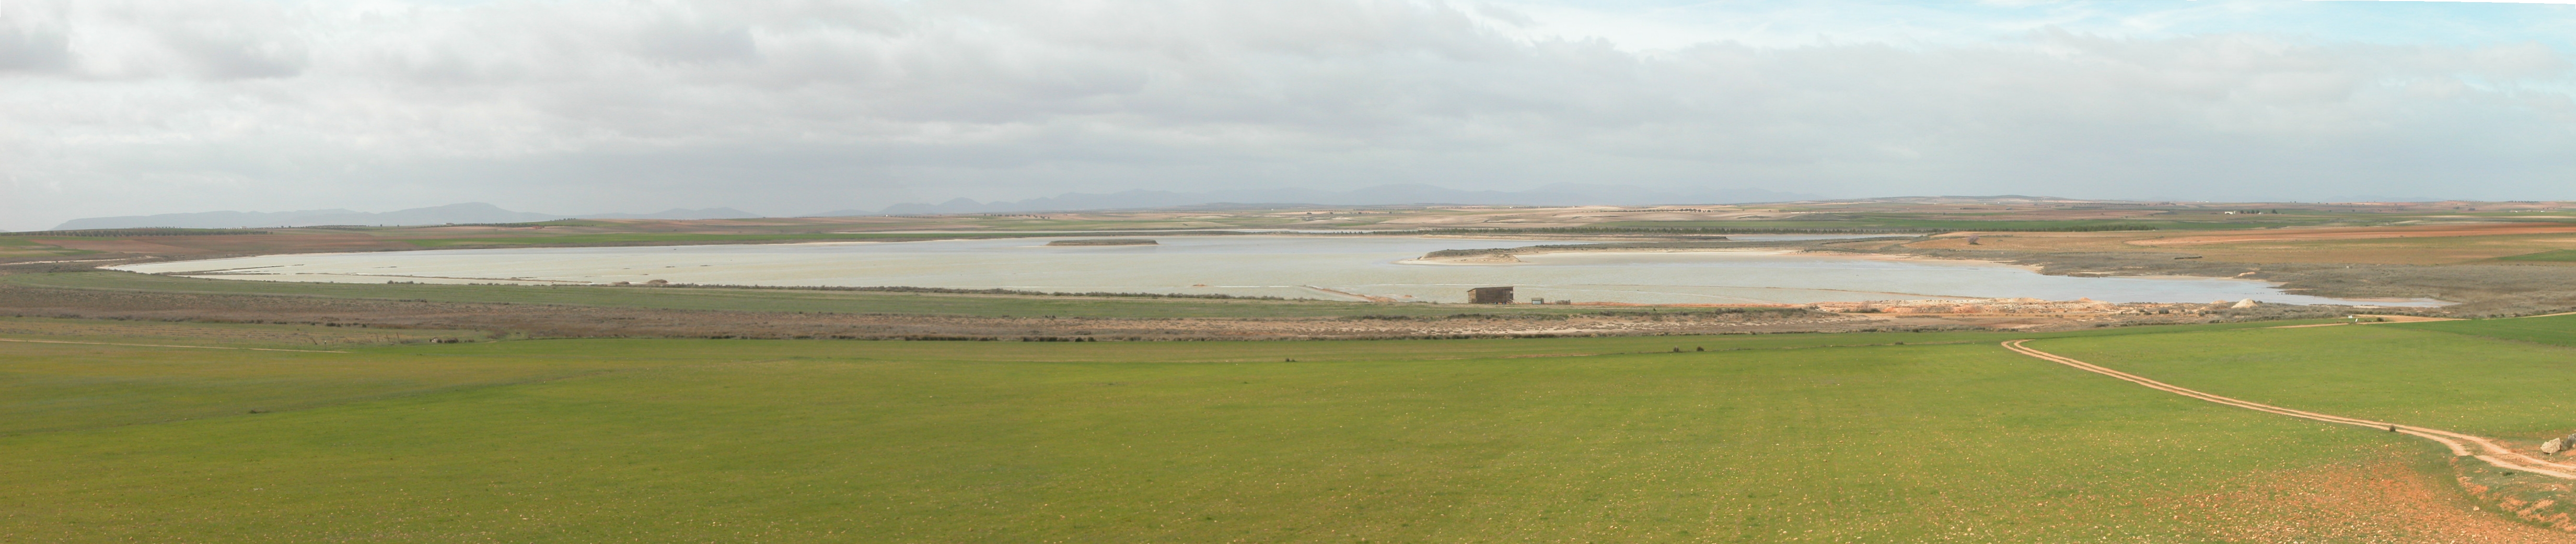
1294 266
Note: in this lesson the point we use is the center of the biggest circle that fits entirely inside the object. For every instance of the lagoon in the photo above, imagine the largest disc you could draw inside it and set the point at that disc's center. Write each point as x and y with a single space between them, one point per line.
1324 267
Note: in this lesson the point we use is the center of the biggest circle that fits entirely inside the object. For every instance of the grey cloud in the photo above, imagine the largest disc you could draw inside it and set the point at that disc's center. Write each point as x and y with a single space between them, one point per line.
681 42
791 106
231 53
33 50
112 39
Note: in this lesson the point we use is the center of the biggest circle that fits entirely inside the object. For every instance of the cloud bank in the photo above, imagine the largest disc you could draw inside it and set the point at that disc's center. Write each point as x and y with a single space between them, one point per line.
789 107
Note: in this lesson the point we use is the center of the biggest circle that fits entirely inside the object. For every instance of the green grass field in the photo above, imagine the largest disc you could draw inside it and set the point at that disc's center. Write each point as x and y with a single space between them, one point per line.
2454 375
776 300
1877 437
2555 330
2559 256
19 246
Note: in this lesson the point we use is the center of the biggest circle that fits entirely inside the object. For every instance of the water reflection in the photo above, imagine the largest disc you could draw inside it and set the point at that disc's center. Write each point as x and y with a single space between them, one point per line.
1327 267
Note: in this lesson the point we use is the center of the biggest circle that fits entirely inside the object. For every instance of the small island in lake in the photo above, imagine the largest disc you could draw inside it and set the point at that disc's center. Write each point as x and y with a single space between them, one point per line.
1106 242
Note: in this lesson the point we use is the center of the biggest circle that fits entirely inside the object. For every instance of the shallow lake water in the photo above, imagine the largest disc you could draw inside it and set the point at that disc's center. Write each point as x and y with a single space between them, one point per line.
1327 267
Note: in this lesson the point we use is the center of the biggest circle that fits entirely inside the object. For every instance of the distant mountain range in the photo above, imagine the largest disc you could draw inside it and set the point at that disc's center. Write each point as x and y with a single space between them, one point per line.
1563 194
470 212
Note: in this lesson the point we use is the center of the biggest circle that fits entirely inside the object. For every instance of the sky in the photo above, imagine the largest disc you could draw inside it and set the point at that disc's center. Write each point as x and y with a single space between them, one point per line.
787 107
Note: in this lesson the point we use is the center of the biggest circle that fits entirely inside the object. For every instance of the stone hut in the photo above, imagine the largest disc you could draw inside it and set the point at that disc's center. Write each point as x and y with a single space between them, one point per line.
1490 295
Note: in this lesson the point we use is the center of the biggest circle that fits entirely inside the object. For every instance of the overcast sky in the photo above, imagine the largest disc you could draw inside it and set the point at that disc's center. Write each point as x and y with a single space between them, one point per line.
111 107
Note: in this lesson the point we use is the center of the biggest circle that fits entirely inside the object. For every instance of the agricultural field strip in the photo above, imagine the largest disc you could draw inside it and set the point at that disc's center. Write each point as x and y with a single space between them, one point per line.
789 300
2447 438
163 345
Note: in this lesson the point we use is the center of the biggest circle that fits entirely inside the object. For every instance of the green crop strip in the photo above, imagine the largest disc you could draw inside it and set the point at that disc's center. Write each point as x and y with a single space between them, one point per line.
2559 256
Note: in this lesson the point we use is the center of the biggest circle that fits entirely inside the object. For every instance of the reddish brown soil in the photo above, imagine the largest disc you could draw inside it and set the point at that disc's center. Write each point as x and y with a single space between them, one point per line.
2384 502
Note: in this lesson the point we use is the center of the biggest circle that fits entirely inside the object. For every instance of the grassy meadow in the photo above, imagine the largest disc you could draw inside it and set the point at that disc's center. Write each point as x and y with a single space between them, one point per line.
2557 256
2553 330
2495 378
19 246
1875 437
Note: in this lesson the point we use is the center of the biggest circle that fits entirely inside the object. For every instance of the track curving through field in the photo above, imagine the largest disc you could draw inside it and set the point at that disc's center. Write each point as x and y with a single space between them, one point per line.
2465 445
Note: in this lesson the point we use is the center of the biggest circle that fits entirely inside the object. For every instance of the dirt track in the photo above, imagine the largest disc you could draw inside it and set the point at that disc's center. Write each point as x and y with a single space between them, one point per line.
2493 453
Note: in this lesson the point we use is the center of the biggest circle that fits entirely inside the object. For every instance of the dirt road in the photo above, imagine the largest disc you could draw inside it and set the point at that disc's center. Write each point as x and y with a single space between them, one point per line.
2486 449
